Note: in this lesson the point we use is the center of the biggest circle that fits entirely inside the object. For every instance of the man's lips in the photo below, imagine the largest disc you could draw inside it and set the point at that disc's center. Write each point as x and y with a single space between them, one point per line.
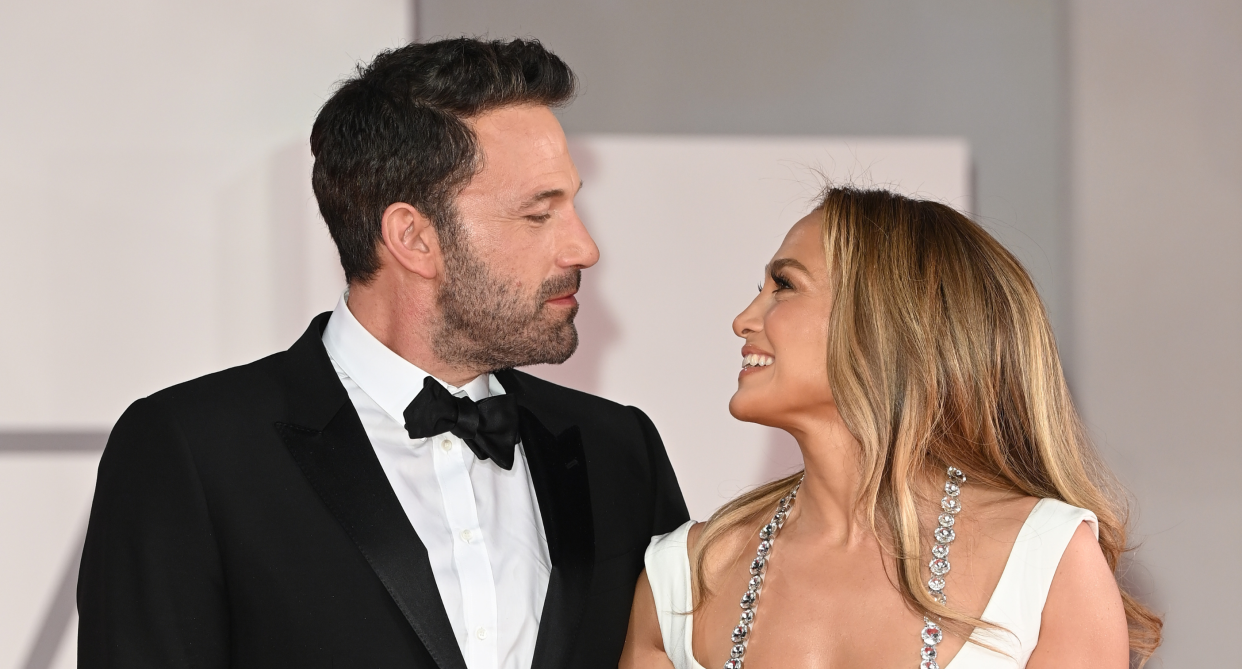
563 301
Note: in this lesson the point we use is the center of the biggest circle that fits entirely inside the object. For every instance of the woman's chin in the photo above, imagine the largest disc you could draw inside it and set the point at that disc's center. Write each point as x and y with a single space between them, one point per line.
747 408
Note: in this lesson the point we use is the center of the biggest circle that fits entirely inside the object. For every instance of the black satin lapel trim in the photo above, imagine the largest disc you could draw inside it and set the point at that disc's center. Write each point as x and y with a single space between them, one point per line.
559 473
315 391
342 468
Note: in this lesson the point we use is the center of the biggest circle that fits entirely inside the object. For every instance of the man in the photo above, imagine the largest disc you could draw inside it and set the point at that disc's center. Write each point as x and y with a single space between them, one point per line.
389 492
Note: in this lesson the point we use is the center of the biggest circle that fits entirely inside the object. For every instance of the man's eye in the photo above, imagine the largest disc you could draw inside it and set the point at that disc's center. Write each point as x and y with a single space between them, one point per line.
540 218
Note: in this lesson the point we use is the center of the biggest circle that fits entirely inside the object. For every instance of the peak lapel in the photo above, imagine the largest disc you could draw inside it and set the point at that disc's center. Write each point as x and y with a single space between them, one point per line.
559 473
327 440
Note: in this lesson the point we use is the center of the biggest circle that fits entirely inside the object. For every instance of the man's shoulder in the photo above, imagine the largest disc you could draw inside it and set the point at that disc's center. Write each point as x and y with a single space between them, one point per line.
248 385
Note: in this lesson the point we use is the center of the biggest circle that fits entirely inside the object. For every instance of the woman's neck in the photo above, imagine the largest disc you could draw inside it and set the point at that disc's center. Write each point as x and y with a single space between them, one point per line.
828 500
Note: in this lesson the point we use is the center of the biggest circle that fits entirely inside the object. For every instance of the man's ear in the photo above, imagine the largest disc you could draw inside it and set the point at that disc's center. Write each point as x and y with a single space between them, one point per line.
411 240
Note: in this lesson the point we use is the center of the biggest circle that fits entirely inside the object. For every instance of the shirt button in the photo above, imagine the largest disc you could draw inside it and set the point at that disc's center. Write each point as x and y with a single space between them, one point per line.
446 445
481 633
466 536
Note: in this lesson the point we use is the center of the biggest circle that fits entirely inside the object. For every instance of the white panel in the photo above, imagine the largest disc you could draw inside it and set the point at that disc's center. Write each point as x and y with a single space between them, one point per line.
156 222
44 503
685 226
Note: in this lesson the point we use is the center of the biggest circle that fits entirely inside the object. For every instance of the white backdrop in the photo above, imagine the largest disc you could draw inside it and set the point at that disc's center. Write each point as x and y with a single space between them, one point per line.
685 226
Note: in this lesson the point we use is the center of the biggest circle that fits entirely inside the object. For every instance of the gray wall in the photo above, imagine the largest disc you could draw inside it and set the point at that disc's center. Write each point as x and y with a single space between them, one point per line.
991 72
1157 265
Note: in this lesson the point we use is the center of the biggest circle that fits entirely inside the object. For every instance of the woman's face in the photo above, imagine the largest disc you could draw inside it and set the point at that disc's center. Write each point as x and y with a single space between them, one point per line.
784 378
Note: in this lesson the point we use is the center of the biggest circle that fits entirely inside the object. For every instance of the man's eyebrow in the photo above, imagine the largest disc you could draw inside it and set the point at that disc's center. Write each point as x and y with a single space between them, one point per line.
545 195
782 263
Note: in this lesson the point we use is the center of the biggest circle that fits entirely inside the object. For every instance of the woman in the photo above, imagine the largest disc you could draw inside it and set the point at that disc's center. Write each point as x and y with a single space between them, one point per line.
949 492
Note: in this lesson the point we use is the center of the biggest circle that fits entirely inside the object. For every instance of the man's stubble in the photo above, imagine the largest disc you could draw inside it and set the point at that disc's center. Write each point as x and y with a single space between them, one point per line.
486 324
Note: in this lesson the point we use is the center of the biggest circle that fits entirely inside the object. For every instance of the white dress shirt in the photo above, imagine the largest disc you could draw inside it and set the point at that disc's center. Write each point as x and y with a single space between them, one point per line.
480 523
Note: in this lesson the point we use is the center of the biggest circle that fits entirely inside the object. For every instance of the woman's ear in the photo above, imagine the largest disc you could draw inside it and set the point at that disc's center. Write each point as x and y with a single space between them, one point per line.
411 240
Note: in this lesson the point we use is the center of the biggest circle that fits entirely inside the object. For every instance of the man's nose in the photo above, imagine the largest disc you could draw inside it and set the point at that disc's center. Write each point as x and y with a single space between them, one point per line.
579 248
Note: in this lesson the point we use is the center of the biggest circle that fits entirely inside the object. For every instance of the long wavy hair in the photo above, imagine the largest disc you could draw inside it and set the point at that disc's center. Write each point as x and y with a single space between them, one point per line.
940 352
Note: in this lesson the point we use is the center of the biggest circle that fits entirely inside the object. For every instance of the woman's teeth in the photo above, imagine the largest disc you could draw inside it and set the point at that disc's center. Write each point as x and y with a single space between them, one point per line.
757 360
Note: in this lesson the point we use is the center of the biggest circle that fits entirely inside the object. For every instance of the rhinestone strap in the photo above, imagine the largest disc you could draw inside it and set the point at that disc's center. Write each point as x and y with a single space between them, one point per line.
950 506
767 536
932 634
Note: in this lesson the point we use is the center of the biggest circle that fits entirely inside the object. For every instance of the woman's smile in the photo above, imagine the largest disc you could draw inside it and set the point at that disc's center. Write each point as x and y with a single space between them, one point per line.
755 360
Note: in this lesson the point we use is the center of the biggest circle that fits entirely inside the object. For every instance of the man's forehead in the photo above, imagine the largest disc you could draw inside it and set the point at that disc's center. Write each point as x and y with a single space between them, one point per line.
533 123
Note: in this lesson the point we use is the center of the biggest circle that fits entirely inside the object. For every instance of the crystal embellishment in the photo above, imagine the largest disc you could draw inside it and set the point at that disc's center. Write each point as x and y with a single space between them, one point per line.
946 520
740 633
928 664
767 536
951 505
940 551
944 535
928 653
939 566
931 634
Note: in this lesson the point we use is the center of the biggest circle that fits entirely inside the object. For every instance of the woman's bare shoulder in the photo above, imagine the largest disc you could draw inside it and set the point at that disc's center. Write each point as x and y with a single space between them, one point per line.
1084 620
692 538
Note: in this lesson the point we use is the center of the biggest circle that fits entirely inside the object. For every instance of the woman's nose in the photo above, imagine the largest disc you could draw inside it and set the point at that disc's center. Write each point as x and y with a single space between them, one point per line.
750 320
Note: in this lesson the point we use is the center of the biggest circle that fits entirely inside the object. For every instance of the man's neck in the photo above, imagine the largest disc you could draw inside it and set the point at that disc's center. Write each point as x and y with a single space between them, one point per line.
403 320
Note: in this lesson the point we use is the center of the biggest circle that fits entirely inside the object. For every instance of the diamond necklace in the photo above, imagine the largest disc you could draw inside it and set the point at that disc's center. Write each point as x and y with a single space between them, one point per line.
932 634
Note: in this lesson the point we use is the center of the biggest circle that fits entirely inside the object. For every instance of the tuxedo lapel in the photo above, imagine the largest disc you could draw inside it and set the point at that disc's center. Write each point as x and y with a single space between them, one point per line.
327 440
558 470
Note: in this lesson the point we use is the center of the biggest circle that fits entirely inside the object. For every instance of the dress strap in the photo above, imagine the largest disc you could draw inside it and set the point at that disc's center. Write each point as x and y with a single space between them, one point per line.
1017 604
668 571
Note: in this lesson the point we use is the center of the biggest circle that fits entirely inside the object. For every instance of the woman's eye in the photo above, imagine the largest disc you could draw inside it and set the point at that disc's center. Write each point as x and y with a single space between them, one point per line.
781 283
540 218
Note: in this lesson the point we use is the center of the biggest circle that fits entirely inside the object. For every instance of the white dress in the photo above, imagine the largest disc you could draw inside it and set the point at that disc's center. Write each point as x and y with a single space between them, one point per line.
1017 604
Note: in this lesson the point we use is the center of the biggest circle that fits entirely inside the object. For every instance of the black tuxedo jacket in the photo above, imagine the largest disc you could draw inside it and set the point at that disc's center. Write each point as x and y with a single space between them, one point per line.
242 520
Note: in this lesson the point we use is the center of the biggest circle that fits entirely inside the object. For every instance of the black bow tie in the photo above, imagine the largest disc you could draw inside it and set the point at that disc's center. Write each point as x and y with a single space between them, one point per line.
489 427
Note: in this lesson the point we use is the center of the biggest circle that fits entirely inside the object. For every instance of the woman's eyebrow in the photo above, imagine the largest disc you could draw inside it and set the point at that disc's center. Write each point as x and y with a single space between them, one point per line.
783 263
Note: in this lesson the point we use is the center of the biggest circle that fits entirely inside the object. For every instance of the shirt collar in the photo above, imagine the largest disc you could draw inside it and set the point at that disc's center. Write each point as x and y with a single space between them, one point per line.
387 378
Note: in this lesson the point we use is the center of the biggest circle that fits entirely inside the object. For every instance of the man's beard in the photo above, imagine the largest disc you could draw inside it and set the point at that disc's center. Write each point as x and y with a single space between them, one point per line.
486 324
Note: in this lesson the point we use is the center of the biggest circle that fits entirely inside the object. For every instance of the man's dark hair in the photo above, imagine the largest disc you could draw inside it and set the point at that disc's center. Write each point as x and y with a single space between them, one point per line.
397 132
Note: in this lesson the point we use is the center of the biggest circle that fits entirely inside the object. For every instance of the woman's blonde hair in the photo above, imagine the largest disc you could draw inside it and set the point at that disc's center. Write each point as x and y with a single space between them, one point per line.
939 353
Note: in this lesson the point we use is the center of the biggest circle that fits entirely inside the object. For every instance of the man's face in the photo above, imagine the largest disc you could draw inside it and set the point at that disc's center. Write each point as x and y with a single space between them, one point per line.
514 262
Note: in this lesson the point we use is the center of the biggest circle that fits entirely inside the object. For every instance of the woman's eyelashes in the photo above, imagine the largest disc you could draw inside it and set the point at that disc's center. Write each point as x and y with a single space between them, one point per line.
781 281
